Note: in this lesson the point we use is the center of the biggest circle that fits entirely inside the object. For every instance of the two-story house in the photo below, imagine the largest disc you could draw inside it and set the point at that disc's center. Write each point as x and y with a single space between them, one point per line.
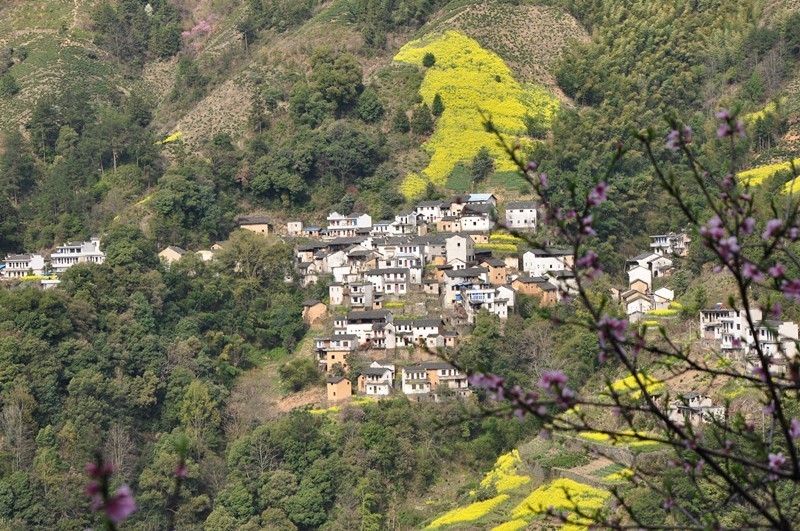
20 265
521 215
69 254
537 262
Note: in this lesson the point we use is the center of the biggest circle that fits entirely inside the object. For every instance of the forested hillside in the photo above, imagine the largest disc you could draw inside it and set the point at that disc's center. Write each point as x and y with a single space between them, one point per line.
156 123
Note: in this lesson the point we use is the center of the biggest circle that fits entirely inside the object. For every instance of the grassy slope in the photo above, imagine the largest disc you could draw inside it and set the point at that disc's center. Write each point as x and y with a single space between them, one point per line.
60 53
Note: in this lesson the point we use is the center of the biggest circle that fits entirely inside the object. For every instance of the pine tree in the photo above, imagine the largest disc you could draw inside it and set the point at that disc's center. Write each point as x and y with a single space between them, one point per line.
437 107
421 120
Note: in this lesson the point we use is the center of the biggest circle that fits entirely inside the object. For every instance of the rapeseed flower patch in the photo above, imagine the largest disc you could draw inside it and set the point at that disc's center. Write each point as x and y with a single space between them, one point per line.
469 513
623 475
512 525
555 494
663 313
504 238
413 185
177 135
504 475
628 438
499 247
470 80
757 175
629 385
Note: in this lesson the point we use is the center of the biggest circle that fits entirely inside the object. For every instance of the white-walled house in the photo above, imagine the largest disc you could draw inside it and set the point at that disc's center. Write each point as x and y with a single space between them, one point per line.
657 264
72 253
455 279
431 211
347 226
477 217
521 215
670 244
460 246
376 380
20 265
537 262
394 280
640 278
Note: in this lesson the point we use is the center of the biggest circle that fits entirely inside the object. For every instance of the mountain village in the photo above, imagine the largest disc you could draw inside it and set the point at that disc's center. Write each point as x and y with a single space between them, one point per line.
403 293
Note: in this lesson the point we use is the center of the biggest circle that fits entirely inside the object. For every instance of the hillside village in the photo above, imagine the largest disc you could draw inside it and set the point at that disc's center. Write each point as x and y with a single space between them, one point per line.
403 293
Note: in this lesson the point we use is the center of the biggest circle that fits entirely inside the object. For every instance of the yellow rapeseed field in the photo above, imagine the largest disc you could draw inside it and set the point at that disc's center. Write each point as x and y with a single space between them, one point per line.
469 513
470 80
554 495
629 385
757 175
504 475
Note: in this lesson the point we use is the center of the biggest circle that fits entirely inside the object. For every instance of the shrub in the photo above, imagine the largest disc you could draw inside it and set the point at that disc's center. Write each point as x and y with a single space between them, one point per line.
299 373
428 60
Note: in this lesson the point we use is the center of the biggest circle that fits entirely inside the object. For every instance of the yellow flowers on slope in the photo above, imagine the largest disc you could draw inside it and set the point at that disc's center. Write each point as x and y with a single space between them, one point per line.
562 495
171 138
629 385
469 80
469 513
757 175
504 475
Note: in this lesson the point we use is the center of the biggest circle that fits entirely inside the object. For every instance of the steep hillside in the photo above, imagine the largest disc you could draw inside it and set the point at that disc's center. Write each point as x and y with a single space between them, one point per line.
58 54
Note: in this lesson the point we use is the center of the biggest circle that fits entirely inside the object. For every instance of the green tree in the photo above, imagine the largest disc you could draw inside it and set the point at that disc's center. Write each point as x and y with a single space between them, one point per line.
437 107
337 77
421 122
369 107
8 86
199 414
400 123
482 165
428 60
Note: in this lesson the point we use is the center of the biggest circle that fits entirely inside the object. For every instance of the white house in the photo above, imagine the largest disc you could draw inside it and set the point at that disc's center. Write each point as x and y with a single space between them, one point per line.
455 279
431 211
670 244
662 298
415 380
368 326
294 228
521 215
777 340
640 278
347 226
460 246
485 296
695 409
394 280
657 264
477 217
537 262
376 380
20 265
72 253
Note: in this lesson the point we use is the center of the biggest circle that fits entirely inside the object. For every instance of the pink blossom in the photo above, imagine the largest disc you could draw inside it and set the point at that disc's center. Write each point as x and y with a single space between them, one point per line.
597 195
611 328
772 226
769 409
777 271
794 429
791 289
543 182
121 505
748 226
738 128
751 271
775 311
723 114
532 166
759 371
591 262
713 229
551 378
180 471
673 140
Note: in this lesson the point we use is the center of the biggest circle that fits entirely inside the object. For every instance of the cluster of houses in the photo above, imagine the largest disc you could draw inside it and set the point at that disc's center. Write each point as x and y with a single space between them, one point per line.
46 269
643 269
423 381
728 331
